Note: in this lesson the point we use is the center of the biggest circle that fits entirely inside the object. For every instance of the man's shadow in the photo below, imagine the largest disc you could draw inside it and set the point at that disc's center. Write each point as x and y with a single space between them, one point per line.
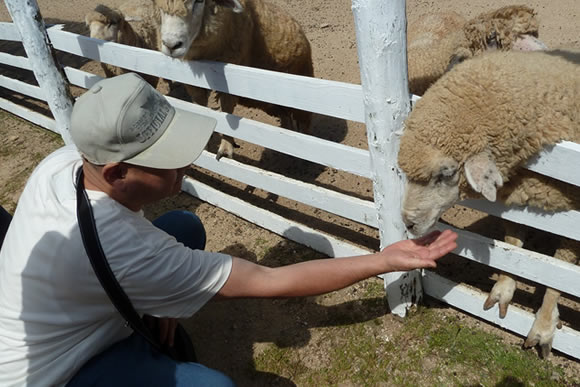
226 333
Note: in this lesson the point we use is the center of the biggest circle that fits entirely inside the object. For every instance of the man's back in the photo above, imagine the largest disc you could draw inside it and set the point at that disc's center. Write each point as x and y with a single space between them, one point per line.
54 314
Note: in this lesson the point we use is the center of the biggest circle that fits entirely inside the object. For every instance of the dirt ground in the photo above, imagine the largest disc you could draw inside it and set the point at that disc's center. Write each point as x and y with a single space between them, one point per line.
229 334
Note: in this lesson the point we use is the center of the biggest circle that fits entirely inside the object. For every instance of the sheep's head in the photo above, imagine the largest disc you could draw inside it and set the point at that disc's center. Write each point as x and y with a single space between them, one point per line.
104 23
182 20
441 183
508 28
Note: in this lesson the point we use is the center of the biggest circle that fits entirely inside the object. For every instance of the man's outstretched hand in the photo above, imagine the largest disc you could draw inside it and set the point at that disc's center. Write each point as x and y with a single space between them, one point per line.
419 253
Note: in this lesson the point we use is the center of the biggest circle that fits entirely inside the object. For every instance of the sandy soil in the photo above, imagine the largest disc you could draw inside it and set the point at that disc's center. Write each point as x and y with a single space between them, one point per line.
329 26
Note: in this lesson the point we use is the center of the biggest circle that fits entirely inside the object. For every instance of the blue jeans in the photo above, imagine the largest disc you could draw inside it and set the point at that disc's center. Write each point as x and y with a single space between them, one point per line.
132 361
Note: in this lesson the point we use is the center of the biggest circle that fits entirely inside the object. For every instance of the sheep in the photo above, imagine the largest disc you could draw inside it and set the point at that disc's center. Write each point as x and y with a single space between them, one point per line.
470 135
436 42
251 33
133 24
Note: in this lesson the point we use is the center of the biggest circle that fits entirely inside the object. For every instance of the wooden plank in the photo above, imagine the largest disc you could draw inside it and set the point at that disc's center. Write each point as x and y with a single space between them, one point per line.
362 211
29 115
560 162
81 78
352 160
536 267
22 87
8 31
561 223
297 232
332 98
517 320
15 61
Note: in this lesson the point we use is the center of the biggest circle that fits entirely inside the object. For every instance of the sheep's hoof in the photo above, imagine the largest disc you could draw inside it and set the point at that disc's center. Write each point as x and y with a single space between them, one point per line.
542 334
225 149
502 293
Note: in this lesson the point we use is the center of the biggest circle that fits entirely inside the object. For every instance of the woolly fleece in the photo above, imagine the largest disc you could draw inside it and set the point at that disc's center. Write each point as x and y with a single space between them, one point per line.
436 41
512 103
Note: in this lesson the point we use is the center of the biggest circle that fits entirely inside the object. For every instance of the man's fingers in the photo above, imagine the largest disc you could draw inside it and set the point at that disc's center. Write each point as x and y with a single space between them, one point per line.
436 252
443 239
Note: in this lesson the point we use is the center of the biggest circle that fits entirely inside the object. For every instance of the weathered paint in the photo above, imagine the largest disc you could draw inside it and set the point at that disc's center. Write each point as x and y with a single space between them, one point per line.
382 51
41 56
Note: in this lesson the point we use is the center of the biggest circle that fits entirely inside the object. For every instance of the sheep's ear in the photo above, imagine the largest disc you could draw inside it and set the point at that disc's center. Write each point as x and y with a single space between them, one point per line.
236 6
483 176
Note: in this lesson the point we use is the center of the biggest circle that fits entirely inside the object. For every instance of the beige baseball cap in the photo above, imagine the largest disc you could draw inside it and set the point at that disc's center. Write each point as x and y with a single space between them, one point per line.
124 119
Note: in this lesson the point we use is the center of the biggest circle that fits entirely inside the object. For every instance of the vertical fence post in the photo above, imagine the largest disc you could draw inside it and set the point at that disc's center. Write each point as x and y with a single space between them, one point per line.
49 75
382 51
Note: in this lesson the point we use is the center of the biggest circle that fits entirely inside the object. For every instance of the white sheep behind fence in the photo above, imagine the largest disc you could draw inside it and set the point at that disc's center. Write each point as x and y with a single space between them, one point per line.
469 136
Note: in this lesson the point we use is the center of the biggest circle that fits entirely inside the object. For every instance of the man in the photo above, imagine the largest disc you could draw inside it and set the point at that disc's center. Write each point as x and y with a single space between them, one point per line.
57 325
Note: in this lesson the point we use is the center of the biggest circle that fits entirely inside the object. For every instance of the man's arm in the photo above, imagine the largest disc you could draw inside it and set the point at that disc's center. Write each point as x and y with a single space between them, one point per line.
320 276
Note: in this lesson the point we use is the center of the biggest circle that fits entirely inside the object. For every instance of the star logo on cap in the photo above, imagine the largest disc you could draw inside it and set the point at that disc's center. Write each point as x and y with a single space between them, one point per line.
151 104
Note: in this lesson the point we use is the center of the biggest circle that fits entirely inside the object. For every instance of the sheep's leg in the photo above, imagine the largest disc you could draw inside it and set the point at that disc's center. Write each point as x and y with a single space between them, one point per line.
228 103
547 317
504 288
545 324
502 293
198 95
297 120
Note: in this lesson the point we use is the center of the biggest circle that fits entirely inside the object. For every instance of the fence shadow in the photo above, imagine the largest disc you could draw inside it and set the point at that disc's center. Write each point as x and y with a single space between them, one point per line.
228 333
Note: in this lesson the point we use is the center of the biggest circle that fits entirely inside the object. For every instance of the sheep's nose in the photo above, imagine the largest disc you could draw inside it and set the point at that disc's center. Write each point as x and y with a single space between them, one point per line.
171 45
409 224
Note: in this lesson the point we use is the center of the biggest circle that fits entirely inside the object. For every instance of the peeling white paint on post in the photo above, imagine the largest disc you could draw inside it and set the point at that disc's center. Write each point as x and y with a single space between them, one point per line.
49 75
382 51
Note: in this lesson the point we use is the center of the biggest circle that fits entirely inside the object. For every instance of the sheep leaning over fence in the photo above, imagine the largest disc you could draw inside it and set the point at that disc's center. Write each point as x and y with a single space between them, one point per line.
133 23
438 41
251 33
472 133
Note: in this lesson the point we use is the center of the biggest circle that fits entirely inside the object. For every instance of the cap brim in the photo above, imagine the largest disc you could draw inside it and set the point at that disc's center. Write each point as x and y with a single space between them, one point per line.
181 143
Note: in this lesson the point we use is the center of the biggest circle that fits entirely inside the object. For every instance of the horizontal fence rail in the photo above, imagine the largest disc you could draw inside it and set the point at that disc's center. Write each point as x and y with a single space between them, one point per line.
326 244
340 100
362 211
337 99
527 264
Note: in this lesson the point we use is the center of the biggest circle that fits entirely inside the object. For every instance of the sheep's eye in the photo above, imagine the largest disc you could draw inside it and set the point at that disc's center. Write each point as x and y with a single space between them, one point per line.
492 40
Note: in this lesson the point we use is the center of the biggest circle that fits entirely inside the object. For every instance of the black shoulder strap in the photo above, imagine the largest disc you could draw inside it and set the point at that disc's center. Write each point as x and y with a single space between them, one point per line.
101 265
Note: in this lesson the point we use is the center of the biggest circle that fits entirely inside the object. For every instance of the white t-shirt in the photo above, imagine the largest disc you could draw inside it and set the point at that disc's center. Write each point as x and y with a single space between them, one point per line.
54 314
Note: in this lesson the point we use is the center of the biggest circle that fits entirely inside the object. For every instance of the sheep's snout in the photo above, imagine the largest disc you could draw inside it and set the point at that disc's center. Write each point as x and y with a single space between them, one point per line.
173 48
178 33
415 226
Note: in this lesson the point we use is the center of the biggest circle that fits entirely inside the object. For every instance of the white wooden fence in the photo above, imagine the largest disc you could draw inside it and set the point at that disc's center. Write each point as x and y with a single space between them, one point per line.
379 25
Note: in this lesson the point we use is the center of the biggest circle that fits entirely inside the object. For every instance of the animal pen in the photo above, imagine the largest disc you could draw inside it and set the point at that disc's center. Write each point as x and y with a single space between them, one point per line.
381 102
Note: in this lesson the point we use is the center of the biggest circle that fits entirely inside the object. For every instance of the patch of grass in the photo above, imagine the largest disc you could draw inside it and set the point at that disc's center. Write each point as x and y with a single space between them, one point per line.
281 361
427 350
468 356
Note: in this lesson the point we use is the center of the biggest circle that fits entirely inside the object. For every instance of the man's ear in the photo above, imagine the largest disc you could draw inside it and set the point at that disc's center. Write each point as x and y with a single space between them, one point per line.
483 176
114 173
